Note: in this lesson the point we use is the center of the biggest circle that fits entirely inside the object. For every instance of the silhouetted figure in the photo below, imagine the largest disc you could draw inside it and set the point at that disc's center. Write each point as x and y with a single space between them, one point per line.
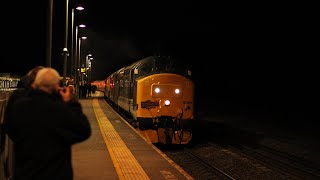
89 90
84 90
23 90
44 125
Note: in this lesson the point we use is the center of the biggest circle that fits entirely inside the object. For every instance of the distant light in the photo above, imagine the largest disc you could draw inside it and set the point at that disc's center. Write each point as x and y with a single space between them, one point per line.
80 8
167 102
84 37
177 91
82 25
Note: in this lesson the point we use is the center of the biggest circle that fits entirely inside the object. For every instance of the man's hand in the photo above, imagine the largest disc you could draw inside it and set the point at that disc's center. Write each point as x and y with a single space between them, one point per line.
66 94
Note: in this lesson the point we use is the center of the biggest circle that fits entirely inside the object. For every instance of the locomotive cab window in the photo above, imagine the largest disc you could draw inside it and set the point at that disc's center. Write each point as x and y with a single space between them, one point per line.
146 68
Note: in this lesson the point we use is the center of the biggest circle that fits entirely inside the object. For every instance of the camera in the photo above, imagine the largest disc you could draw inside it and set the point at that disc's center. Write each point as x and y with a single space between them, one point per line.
63 89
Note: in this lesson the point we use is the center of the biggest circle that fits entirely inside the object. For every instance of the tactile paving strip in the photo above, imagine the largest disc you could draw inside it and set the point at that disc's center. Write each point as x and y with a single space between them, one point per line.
126 165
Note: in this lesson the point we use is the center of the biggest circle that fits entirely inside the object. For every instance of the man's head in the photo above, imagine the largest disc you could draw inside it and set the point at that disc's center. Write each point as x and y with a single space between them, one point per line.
28 79
47 79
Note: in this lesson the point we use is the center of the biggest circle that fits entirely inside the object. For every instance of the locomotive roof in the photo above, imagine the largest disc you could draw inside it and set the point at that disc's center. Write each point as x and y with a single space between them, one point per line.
156 64
138 63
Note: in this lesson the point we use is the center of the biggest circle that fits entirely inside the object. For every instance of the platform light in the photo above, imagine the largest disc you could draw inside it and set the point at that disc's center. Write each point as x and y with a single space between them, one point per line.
167 102
80 8
177 91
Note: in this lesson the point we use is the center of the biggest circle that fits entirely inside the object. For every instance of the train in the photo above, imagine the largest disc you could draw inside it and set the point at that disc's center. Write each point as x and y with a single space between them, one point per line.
157 92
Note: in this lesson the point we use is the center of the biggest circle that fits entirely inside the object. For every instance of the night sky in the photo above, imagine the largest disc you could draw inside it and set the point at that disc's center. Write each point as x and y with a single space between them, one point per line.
258 54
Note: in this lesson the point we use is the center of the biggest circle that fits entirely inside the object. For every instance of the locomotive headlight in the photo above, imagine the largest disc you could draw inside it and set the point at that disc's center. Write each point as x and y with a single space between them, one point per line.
157 90
167 102
177 91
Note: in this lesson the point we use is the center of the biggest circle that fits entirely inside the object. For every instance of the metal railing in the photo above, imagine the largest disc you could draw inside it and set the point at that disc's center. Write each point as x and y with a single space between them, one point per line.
6 145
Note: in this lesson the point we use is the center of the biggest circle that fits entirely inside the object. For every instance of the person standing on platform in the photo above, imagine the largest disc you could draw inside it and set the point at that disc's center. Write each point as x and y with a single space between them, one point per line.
24 87
84 90
89 89
43 126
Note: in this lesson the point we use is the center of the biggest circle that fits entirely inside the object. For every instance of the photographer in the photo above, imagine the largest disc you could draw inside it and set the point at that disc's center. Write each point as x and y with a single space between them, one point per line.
44 125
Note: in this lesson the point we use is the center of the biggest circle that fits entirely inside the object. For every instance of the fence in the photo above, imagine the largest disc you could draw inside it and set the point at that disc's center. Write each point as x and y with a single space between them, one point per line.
6 157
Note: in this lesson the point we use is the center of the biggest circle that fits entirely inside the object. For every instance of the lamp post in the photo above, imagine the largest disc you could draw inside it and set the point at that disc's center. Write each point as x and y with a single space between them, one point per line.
88 66
77 52
73 66
88 59
77 58
49 35
90 69
65 52
72 53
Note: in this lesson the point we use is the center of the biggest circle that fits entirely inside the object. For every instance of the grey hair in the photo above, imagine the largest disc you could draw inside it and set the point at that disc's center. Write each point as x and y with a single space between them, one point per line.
47 78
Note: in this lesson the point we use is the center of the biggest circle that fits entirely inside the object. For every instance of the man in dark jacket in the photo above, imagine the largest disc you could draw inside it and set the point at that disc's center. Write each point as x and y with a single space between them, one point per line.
22 91
43 126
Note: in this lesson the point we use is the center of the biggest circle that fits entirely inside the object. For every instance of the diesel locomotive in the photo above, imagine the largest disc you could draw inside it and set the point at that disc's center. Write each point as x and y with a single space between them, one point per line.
158 94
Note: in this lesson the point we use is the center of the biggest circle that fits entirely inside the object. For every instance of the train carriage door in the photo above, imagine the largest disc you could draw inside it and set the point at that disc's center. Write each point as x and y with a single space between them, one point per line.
133 89
134 95
130 94
116 92
111 87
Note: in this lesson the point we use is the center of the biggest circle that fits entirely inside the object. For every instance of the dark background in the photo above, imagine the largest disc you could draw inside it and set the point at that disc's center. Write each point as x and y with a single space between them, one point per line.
257 57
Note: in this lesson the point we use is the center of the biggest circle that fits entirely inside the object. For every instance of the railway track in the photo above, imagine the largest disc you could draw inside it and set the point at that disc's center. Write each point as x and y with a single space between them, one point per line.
282 162
197 166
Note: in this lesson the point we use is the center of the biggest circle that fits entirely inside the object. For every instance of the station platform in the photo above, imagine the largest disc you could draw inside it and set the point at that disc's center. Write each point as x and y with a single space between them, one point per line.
116 150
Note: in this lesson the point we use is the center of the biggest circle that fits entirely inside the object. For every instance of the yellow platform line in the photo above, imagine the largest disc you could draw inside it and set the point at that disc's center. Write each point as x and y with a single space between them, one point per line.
127 167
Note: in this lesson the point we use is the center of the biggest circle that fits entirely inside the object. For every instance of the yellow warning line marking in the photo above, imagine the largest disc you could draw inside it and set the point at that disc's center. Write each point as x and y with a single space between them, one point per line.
182 171
127 167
